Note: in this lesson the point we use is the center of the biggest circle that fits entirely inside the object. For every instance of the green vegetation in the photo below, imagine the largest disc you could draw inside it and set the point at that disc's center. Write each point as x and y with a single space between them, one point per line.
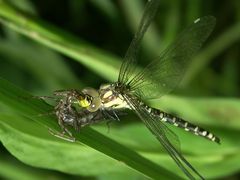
47 46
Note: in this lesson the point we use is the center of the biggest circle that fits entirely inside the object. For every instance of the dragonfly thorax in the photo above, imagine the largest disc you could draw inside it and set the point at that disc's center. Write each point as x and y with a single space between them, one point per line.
111 98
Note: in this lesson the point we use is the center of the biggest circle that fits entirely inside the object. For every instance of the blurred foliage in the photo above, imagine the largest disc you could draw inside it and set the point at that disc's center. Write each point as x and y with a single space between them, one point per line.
50 45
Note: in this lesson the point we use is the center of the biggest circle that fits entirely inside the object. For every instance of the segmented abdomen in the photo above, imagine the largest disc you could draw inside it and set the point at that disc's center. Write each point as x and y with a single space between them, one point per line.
178 122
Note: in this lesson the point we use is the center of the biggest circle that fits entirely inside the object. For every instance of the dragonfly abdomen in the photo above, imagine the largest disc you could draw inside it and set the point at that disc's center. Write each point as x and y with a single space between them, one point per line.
178 122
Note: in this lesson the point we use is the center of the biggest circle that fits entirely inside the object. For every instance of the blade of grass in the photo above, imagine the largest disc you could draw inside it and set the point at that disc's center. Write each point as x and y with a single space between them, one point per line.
107 7
172 23
105 64
43 64
40 149
16 98
21 171
20 127
151 41
193 10
212 50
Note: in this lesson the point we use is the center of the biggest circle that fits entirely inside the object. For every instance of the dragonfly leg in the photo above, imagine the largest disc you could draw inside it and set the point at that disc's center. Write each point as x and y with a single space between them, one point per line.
65 130
67 93
76 125
68 137
46 114
108 125
61 135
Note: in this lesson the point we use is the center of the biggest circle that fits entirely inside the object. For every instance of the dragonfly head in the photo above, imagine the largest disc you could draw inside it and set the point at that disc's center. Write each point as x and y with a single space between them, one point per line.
89 99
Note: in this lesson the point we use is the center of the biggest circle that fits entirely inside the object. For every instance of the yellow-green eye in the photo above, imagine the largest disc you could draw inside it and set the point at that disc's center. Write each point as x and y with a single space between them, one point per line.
92 96
95 104
85 102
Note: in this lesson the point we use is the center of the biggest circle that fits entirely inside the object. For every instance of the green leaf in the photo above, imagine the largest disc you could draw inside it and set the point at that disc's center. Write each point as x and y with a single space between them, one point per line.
103 63
221 43
26 136
27 127
45 65
133 11
9 165
38 148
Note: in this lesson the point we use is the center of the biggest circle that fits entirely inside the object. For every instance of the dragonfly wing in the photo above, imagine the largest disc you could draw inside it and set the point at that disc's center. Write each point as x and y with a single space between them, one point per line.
162 133
165 72
128 66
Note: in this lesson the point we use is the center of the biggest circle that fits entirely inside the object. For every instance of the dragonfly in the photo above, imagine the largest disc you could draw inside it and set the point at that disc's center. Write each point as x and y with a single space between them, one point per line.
69 114
134 87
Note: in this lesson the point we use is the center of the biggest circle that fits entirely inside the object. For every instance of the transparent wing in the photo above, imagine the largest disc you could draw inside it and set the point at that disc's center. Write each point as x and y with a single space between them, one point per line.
128 66
165 72
163 134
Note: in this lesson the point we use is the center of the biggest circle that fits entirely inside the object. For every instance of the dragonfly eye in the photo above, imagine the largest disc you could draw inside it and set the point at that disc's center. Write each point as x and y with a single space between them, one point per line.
95 104
92 100
88 98
85 101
